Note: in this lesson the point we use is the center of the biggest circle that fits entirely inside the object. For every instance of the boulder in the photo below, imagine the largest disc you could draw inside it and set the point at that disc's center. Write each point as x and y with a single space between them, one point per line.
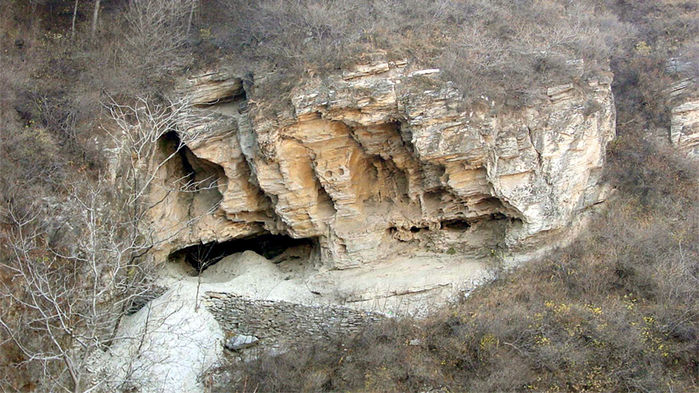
240 341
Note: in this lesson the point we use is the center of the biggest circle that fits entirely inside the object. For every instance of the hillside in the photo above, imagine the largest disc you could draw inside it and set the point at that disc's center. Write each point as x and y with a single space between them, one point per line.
364 196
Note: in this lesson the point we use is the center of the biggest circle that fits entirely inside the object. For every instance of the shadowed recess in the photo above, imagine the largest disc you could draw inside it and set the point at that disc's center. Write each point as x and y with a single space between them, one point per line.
202 256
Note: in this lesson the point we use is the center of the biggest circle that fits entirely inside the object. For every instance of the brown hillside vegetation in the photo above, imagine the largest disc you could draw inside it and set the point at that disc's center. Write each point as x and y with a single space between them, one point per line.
503 49
617 311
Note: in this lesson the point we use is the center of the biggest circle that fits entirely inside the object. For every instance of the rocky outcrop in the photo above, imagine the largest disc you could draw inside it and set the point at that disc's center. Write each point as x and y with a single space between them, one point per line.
362 195
683 100
385 160
684 127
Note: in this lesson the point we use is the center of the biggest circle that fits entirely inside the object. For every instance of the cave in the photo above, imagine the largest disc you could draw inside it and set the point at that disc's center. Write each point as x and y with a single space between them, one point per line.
455 224
204 255
196 173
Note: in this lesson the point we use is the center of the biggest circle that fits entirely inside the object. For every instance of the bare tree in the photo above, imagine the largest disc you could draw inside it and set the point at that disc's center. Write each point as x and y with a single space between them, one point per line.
158 32
73 295
191 15
139 126
75 15
95 17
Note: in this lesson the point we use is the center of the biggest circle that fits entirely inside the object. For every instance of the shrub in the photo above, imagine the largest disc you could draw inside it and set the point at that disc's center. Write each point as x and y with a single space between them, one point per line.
494 48
617 310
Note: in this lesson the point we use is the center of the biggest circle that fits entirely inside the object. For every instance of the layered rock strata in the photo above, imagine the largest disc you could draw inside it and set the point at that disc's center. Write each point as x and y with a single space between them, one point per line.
384 160
368 193
683 100
684 127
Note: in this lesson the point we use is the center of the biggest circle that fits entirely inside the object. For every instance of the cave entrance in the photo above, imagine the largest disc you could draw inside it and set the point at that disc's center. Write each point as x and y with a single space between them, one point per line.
202 256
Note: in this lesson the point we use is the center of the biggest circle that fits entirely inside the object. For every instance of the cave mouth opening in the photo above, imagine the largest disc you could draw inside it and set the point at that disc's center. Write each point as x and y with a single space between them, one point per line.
195 173
455 224
204 255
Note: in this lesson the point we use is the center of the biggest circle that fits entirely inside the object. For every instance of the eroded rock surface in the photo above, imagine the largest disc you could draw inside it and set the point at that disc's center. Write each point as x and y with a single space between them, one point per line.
383 161
684 127
367 194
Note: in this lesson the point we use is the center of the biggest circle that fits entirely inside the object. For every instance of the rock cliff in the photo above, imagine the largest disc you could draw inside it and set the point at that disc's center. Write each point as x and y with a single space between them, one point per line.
684 128
684 116
367 193
683 101
384 160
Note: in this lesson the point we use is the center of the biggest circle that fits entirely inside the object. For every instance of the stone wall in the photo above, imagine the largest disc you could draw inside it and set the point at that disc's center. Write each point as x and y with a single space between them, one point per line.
275 322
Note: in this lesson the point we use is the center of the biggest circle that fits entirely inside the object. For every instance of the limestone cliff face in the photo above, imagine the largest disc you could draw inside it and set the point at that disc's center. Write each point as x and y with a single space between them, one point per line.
684 117
684 128
384 160
683 100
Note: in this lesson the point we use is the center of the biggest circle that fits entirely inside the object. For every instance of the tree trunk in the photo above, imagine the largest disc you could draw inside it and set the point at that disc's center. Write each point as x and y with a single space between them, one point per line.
95 15
71 371
75 14
191 14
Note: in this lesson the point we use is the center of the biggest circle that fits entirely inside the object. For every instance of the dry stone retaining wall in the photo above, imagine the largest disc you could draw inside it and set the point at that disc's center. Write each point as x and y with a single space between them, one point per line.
275 322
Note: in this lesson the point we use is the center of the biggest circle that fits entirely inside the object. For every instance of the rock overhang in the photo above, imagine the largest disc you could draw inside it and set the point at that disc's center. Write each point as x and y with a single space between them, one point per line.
357 159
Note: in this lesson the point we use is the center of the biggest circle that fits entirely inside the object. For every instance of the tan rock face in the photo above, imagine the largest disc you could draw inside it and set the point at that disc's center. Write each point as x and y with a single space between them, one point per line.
684 127
384 161
684 116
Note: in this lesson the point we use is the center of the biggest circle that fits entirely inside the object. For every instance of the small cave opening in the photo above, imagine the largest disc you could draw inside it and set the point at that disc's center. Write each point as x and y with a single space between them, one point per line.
456 224
498 216
503 217
197 183
232 90
195 172
204 255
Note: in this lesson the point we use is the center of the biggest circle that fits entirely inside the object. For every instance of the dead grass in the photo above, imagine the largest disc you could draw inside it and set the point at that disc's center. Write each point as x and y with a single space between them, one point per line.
615 312
502 49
